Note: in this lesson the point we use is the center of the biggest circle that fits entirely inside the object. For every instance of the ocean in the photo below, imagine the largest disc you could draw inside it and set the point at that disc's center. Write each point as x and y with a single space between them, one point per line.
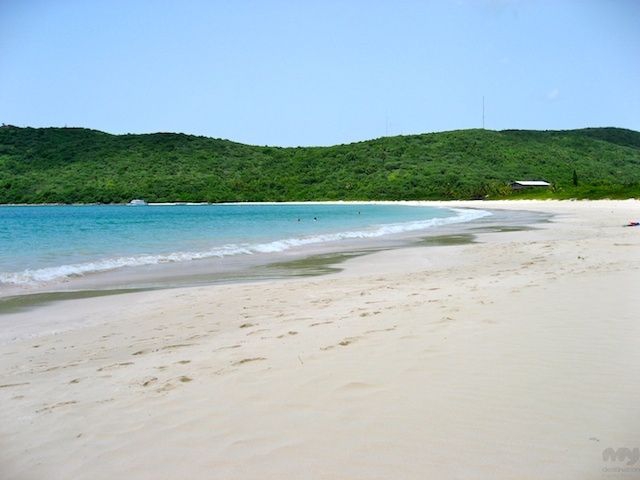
49 244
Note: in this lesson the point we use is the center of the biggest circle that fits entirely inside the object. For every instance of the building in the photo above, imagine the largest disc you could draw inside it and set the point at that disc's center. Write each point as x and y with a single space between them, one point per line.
522 184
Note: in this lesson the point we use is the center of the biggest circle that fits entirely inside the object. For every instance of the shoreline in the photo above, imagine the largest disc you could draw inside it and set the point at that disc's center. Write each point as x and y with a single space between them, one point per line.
511 357
238 268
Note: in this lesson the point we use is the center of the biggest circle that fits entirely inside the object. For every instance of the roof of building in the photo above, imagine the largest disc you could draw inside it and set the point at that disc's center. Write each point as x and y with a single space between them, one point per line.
532 183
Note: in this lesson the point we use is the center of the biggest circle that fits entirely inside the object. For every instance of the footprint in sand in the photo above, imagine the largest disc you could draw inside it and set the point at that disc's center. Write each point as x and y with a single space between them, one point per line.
253 332
49 408
291 332
168 347
348 341
320 323
248 360
114 366
8 385
194 337
343 343
61 366
228 347
170 385
166 387
390 329
149 381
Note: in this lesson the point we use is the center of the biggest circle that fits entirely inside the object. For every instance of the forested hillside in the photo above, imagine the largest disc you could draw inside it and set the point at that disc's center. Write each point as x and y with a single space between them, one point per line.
46 165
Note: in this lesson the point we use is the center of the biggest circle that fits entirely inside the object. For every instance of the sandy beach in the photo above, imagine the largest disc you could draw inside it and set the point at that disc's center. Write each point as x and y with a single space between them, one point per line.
513 357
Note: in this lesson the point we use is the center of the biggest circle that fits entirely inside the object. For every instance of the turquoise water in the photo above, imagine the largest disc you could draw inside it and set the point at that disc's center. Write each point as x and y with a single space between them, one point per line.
48 243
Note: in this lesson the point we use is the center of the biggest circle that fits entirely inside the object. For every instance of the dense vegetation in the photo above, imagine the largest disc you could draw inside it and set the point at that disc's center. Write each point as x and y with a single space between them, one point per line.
78 165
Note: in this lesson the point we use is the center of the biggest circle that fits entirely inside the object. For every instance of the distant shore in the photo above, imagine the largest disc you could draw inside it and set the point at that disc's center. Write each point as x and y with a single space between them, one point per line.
510 356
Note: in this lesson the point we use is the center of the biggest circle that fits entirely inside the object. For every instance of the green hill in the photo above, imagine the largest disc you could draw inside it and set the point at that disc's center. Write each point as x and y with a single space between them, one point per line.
39 165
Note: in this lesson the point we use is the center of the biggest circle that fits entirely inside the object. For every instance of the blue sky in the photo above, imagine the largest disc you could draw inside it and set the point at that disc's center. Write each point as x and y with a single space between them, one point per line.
319 72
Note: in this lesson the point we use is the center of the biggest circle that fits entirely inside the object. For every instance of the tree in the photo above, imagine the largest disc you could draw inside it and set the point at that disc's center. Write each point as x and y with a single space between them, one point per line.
575 178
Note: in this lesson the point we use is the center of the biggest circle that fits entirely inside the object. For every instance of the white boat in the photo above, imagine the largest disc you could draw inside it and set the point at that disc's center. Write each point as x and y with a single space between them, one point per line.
136 202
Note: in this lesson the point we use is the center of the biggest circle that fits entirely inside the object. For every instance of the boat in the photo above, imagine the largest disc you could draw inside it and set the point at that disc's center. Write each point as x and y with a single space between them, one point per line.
136 202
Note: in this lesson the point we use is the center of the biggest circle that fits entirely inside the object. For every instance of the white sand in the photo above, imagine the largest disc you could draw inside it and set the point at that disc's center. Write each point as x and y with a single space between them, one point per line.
514 358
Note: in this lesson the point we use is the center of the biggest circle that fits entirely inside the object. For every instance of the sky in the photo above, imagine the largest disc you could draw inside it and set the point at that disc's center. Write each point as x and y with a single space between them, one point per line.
289 73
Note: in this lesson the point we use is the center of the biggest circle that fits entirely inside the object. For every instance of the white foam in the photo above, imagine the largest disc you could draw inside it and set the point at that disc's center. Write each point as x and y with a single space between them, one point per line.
50 274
